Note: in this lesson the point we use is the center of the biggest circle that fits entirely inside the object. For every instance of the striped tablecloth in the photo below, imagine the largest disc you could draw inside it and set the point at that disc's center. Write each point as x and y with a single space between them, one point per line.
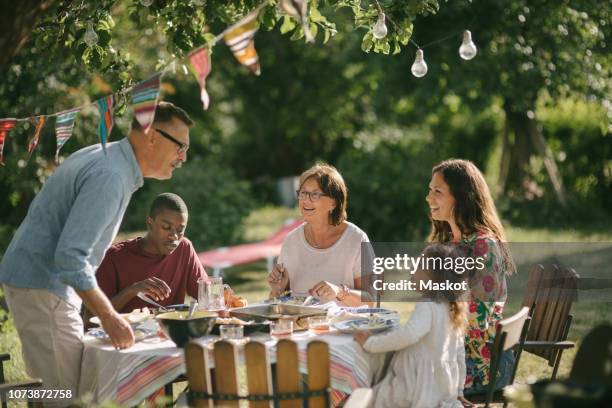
129 376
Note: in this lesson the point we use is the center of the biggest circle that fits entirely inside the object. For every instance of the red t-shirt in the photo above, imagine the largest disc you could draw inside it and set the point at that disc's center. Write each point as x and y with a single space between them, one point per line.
125 263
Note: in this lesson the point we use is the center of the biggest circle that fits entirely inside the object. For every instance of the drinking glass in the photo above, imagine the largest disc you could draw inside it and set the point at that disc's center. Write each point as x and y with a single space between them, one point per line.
318 324
231 331
202 294
281 328
215 294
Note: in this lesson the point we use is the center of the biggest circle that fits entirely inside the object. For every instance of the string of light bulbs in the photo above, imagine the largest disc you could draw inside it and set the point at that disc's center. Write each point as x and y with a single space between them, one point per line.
90 37
467 49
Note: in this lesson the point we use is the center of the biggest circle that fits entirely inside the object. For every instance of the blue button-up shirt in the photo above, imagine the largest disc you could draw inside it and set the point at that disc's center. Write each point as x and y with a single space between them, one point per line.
72 221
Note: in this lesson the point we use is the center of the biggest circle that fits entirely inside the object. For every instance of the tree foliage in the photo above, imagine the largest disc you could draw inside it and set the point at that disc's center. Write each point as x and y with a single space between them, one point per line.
186 25
317 101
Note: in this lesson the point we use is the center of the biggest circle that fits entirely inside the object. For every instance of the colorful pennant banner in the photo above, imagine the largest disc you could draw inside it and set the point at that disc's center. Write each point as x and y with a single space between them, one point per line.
63 129
144 101
200 62
298 9
5 126
105 106
240 39
39 123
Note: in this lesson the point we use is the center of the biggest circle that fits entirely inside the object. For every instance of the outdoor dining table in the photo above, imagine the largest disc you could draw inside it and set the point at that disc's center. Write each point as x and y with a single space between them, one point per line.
129 376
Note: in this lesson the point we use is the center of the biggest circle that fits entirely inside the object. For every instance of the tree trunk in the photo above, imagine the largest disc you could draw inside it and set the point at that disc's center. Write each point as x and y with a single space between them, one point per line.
523 140
17 20
549 162
505 162
519 151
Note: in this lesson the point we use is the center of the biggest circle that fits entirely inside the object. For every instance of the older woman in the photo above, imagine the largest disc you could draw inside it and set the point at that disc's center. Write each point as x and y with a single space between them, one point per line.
462 212
323 256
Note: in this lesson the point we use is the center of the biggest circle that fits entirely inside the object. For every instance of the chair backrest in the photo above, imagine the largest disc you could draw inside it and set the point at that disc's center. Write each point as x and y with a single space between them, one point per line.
509 332
5 387
593 361
228 390
550 293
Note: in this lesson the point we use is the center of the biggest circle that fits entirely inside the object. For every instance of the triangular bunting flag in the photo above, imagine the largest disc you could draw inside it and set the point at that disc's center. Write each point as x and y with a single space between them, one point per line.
63 129
298 9
39 123
200 62
105 106
240 40
5 126
144 101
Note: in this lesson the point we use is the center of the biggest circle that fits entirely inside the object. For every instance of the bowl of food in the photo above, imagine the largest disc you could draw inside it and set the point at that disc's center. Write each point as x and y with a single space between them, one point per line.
181 329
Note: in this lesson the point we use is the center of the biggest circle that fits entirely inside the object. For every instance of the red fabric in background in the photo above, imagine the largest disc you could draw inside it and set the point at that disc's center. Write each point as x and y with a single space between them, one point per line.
125 263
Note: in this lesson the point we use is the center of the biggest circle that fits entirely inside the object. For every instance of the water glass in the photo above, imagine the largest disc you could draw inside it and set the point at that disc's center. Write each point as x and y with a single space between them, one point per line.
318 324
202 294
281 328
215 294
231 331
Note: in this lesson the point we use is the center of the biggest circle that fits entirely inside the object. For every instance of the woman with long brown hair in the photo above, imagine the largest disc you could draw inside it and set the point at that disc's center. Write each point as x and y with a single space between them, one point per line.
462 212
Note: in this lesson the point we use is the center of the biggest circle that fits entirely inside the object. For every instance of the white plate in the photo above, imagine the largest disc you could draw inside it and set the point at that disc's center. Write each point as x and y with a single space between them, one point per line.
356 325
139 334
132 318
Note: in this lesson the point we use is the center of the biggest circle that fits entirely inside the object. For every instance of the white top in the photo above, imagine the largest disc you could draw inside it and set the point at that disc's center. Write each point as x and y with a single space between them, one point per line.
428 369
307 266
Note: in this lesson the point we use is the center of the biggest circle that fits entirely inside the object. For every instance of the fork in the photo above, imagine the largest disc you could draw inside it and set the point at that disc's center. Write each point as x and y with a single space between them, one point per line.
151 301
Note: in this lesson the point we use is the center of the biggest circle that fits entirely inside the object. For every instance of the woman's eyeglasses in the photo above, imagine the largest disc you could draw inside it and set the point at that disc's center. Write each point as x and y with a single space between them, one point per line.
312 195
182 147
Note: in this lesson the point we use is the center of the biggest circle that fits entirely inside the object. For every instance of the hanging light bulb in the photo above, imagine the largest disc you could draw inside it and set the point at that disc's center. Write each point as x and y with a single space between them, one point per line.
90 37
146 3
419 67
380 28
468 49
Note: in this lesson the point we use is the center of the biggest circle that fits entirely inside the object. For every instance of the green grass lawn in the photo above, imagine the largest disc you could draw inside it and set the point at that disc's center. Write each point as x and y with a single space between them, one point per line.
250 281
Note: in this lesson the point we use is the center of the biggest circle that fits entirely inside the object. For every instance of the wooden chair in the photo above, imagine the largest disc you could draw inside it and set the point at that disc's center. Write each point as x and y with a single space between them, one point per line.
510 333
550 294
5 387
287 392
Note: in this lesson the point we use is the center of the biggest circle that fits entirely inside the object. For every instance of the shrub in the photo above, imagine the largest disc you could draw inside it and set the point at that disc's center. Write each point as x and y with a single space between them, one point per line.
218 202
387 181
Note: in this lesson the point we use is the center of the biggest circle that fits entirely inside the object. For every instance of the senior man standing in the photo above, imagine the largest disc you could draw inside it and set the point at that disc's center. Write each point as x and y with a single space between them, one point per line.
49 266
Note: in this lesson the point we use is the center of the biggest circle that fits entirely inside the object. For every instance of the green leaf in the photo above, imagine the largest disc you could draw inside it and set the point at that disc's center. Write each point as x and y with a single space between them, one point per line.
314 29
316 16
367 42
268 18
386 47
297 34
104 38
288 25
327 35
396 47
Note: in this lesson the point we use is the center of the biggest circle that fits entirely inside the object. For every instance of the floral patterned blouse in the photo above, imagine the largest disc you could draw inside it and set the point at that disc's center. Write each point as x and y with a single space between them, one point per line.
488 293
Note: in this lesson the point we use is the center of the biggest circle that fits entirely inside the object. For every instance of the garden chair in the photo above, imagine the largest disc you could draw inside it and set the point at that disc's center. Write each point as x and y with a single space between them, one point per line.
287 392
509 333
5 387
550 293
268 249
